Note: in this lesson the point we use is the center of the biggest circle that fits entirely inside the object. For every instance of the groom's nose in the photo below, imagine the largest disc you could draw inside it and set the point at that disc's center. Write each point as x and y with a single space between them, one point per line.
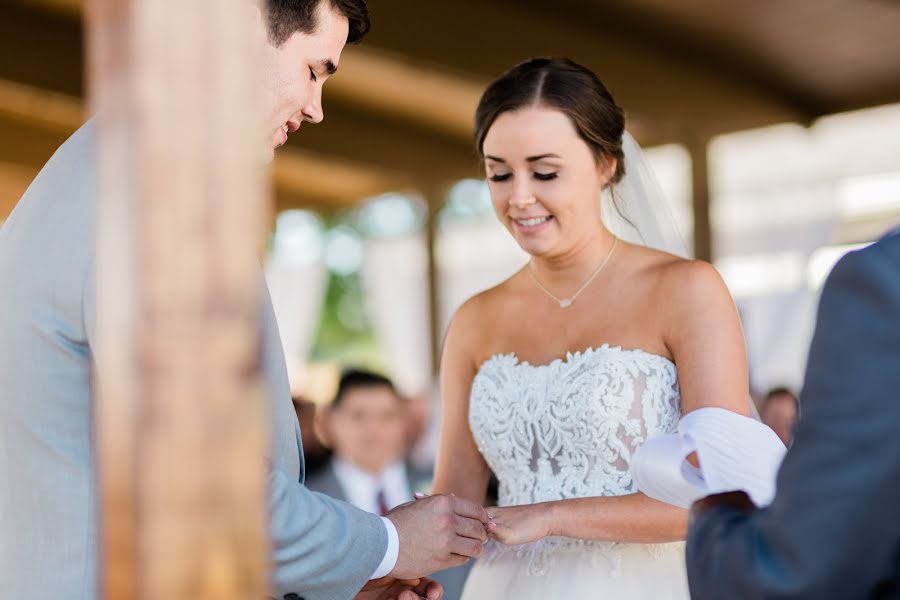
313 111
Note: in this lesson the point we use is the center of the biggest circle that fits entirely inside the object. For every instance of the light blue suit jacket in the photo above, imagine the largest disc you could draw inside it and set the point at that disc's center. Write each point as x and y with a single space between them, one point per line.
48 521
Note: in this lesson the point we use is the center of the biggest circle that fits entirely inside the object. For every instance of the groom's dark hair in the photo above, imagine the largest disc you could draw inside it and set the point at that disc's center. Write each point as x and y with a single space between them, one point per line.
287 17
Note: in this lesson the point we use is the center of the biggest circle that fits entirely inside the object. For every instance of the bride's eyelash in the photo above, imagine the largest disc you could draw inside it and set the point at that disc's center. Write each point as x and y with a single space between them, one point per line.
538 176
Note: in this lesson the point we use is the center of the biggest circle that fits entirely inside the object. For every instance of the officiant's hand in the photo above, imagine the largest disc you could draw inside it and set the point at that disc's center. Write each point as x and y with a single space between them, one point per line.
519 524
388 588
436 533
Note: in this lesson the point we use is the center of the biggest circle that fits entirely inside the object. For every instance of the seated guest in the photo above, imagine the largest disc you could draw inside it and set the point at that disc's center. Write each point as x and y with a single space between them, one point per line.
779 411
832 531
366 427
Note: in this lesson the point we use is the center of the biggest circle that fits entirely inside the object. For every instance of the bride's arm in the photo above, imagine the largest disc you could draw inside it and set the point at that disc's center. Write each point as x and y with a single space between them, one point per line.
703 332
460 468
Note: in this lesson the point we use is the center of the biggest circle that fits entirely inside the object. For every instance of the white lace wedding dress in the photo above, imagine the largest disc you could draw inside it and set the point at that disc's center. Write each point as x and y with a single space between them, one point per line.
568 429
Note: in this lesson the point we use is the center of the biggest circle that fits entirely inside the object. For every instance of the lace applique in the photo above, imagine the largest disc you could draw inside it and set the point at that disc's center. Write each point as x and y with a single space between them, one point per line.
568 429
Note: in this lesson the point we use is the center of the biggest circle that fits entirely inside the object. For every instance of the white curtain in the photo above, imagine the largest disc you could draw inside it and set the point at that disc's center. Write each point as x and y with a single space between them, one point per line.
395 288
473 256
298 290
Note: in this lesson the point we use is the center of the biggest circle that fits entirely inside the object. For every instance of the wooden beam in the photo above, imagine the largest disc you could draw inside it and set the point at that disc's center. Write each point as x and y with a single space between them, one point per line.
300 173
486 38
436 199
680 42
41 108
393 144
179 407
703 242
41 49
69 8
426 94
34 122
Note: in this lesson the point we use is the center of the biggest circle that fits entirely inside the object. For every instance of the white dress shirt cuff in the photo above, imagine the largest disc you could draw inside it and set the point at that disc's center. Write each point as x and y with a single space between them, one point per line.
393 551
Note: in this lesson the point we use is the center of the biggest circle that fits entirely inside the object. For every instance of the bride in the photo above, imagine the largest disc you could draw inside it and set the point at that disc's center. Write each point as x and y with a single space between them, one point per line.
556 376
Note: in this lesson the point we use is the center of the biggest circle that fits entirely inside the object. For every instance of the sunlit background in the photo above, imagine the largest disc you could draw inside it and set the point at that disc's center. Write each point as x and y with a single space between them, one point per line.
773 128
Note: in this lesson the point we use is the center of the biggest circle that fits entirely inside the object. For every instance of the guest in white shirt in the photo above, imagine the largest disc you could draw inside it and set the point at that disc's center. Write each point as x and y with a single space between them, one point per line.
366 426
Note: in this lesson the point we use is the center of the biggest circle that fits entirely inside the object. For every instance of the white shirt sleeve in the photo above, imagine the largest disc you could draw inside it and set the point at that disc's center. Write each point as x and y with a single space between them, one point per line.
393 551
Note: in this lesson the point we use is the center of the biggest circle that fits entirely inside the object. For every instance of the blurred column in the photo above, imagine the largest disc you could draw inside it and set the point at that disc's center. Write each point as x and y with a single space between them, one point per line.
698 147
435 198
181 216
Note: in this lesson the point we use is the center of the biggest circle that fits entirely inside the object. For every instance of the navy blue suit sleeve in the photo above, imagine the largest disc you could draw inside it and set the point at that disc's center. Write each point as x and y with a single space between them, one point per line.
833 529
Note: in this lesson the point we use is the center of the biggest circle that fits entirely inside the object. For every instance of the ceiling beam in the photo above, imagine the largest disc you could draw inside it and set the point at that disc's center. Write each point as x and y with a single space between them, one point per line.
41 49
628 21
399 87
35 122
307 179
40 108
437 100
470 42
70 8
485 38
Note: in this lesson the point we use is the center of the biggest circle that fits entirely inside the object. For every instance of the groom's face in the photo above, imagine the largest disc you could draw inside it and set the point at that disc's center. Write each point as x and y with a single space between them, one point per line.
295 72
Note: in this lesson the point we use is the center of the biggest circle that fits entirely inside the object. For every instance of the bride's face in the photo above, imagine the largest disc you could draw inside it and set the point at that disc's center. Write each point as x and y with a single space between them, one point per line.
544 180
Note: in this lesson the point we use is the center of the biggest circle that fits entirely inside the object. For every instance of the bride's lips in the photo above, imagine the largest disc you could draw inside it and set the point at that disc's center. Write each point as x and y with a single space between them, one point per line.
532 225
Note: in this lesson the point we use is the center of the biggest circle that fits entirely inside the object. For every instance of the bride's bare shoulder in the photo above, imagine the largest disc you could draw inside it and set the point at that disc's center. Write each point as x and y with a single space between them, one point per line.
675 281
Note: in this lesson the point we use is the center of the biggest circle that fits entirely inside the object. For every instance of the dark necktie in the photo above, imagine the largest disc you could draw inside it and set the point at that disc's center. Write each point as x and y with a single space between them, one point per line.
382 503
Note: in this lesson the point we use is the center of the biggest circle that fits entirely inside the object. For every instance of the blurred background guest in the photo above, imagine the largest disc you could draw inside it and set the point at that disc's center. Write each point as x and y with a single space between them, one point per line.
366 428
780 411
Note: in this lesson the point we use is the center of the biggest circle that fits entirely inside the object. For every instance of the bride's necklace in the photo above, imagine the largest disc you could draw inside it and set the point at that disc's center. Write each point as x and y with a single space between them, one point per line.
567 302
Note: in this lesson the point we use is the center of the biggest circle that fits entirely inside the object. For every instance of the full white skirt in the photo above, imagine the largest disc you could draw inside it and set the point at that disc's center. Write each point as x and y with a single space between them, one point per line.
619 572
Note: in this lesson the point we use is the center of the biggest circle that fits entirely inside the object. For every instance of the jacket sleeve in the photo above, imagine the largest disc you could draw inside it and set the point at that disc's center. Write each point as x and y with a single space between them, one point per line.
832 531
323 549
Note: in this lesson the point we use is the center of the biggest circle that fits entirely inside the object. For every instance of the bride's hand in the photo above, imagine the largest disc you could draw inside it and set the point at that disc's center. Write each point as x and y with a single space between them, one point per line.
519 524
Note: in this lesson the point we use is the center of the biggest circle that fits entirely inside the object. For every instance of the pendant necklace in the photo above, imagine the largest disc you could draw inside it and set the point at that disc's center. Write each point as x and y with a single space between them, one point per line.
567 302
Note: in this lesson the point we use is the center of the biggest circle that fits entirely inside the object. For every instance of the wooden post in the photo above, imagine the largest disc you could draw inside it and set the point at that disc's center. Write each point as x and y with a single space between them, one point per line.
181 212
435 196
703 246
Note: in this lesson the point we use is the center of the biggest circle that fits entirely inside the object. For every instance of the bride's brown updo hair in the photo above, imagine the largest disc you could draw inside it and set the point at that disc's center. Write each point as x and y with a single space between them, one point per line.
566 86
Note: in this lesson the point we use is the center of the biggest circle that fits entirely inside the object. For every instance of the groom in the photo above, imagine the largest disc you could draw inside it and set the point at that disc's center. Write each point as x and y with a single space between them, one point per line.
833 530
322 549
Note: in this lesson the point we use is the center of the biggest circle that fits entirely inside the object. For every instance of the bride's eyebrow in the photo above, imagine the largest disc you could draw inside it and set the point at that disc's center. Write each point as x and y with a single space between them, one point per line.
542 157
529 159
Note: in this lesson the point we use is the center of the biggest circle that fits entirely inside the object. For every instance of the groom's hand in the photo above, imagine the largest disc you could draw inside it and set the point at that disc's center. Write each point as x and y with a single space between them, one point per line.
388 588
436 533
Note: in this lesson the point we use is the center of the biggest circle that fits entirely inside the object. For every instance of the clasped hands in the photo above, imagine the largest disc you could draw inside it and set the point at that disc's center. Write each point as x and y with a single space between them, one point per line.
443 531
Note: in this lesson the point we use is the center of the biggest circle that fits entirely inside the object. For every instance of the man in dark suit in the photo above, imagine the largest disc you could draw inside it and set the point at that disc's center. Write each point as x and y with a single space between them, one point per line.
833 530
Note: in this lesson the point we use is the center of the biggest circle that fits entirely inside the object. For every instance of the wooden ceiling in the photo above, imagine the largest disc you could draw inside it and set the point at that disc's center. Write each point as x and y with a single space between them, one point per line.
398 114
